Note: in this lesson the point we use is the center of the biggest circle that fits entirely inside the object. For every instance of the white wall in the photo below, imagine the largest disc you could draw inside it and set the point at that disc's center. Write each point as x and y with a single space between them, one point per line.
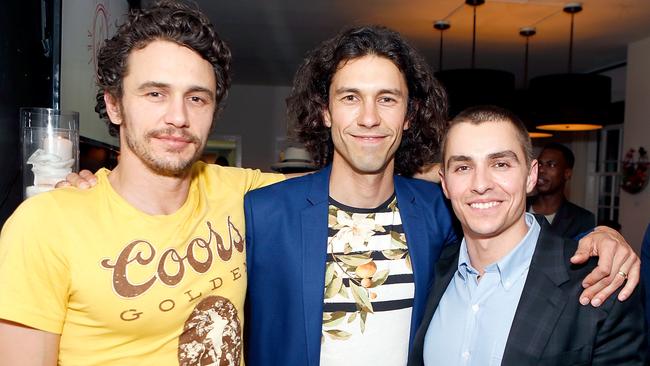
257 113
85 24
635 208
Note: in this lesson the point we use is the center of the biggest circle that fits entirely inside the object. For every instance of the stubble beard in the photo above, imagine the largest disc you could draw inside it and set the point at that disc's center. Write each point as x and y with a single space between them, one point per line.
165 167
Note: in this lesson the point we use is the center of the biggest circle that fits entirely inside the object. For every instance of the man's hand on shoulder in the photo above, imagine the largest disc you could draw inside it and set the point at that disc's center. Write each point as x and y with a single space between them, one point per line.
84 180
617 263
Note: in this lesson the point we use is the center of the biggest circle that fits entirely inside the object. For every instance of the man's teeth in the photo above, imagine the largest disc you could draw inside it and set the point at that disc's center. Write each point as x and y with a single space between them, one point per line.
484 205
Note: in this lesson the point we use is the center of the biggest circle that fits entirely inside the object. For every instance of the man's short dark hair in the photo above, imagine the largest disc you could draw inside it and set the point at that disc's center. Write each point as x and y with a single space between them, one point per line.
490 113
569 158
427 100
168 21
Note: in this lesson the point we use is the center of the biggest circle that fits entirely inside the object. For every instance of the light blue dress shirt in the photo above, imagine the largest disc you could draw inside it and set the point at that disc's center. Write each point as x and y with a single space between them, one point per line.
472 322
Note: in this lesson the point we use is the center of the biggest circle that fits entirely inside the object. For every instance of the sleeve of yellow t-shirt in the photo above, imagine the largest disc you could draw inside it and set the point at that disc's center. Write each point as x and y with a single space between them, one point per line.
34 278
257 179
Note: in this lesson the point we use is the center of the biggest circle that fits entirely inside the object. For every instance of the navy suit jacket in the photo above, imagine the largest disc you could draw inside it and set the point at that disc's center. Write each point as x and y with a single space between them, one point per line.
570 220
286 237
550 326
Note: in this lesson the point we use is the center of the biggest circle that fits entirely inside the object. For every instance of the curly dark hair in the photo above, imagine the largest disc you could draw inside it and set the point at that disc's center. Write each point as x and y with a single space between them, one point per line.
166 20
427 102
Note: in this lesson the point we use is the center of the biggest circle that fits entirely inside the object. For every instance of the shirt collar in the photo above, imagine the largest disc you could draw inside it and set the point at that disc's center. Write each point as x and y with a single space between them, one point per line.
513 265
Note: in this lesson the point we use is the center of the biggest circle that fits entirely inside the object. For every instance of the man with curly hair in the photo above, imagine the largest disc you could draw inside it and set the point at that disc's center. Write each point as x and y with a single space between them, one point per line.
340 261
148 266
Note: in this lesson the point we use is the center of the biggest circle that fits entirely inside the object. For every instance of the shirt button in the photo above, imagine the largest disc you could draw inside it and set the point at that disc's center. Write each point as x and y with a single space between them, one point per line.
465 355
475 308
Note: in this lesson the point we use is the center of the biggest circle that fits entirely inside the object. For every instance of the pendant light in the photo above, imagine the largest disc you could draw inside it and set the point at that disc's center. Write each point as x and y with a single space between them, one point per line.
527 32
476 86
571 101
442 26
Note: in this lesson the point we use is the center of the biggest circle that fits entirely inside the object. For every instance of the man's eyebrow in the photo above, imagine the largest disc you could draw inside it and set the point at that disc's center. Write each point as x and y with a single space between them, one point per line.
458 158
153 84
392 91
201 89
504 154
161 85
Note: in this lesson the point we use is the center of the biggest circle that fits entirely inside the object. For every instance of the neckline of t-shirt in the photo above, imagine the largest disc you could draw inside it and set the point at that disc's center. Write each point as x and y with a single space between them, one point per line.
102 176
382 207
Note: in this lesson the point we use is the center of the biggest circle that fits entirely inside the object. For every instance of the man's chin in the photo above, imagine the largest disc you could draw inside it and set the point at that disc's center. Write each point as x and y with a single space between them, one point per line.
178 169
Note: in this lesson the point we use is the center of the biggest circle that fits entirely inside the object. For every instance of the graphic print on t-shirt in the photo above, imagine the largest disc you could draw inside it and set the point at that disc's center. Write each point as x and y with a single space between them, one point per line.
369 285
211 335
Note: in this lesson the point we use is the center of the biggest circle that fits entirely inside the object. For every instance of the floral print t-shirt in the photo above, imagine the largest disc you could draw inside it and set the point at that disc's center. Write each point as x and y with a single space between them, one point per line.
368 289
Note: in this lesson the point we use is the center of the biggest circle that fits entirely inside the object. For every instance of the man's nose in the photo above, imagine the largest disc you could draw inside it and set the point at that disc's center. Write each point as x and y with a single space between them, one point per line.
177 112
369 115
481 182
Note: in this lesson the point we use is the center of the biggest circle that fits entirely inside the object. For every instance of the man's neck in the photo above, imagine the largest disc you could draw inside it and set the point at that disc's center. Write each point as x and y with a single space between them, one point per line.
548 204
484 251
147 191
360 190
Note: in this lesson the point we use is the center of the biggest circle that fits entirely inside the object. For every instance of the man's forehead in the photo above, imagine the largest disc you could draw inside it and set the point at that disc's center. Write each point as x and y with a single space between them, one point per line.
355 68
168 63
482 139
551 155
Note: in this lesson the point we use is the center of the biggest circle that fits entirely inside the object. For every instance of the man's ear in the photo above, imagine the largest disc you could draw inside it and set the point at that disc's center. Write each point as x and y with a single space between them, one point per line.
531 180
407 124
327 117
442 181
113 108
568 172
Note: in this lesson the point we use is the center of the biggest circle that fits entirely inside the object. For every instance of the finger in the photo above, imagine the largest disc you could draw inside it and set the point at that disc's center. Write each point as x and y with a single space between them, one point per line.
614 281
606 248
583 252
590 292
63 183
607 266
76 180
633 278
88 176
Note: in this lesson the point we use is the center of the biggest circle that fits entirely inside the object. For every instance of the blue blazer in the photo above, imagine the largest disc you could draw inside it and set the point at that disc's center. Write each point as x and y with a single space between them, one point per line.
286 237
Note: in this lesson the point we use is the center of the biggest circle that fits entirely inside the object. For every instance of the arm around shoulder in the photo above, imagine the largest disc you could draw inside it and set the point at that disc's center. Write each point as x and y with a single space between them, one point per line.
21 345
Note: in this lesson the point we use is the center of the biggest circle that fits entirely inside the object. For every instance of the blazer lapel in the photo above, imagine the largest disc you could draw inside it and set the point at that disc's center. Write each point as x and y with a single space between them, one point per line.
314 255
418 246
541 302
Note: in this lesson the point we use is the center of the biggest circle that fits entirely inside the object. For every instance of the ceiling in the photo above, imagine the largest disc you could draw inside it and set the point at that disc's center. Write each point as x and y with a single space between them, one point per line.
270 38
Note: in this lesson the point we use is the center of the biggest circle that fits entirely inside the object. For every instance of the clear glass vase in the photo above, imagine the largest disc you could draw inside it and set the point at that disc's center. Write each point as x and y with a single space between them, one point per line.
50 140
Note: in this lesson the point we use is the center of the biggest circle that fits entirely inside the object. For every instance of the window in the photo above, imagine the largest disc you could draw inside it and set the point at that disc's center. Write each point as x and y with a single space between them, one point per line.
608 166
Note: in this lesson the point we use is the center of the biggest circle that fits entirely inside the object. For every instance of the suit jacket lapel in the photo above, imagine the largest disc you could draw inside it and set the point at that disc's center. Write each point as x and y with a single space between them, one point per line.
418 246
314 254
541 302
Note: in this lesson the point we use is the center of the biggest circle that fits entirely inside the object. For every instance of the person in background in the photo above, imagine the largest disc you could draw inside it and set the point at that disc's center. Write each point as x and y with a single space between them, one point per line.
555 170
507 293
340 261
148 266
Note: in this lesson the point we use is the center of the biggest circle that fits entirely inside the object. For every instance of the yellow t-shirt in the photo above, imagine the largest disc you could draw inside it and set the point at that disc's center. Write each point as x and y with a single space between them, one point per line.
126 288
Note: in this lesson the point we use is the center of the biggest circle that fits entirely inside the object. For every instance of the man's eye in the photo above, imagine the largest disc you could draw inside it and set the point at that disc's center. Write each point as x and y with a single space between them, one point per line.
501 164
196 99
461 168
154 94
348 98
387 100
